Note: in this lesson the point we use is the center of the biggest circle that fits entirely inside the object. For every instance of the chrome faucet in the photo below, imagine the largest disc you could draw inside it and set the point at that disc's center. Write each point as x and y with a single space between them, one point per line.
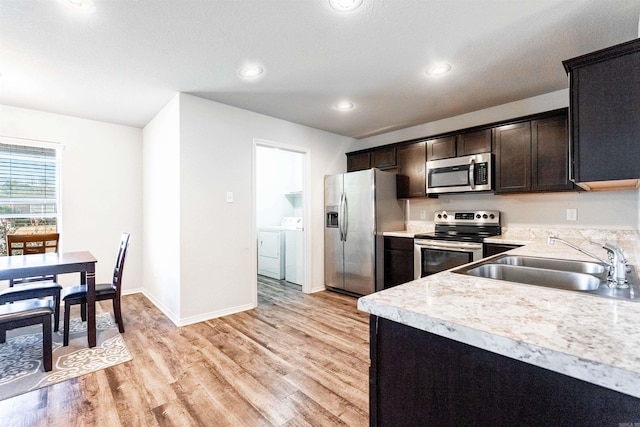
617 258
617 264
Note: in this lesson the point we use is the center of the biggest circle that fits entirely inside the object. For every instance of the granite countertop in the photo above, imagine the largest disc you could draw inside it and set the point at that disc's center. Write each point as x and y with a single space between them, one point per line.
583 336
402 233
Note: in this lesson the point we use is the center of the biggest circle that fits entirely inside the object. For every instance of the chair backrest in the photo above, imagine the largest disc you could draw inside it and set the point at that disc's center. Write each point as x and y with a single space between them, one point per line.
26 244
118 269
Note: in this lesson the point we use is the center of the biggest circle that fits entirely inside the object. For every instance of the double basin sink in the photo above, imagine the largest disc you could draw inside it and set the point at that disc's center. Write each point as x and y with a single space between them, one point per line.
583 276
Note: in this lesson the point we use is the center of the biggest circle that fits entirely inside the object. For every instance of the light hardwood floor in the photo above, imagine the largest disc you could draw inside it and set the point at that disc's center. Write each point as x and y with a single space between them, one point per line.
296 360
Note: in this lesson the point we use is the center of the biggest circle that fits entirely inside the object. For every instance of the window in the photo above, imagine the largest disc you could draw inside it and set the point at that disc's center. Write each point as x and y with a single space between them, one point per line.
29 188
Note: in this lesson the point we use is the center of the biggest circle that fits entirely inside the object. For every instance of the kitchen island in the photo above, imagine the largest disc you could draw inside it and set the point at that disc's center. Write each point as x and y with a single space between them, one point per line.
454 349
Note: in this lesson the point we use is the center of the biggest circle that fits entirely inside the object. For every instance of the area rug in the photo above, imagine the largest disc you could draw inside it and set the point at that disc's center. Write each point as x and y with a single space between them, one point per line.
21 362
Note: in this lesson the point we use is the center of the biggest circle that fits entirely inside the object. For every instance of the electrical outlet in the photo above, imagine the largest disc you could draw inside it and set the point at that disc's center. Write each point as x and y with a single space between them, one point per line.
229 196
423 215
572 214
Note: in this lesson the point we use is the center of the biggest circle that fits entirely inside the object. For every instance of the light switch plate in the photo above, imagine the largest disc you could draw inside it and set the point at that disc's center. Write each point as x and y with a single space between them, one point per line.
229 196
572 214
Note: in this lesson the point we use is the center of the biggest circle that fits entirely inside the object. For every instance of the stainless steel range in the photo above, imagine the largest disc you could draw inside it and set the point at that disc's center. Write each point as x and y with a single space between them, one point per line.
457 240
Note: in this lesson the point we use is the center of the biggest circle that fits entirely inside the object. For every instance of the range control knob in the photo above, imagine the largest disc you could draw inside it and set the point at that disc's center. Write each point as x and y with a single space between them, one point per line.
485 216
477 216
444 216
492 216
439 216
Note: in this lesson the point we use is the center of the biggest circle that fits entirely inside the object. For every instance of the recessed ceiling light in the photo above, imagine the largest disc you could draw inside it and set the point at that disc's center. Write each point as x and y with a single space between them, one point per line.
80 5
344 105
250 71
345 5
438 69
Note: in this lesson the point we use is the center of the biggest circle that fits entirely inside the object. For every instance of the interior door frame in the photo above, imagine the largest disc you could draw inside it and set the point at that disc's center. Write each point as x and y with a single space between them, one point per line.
306 208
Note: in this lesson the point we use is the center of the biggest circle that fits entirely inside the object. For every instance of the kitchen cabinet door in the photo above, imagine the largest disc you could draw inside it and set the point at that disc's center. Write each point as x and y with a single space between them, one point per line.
550 154
398 261
383 157
441 148
474 142
358 161
412 160
605 113
513 157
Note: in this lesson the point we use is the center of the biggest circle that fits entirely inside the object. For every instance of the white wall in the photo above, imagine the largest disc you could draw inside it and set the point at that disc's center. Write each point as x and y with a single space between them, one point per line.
101 185
217 271
161 210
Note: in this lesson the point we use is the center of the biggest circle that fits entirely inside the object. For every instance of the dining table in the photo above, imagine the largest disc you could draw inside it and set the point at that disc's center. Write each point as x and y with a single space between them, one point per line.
21 266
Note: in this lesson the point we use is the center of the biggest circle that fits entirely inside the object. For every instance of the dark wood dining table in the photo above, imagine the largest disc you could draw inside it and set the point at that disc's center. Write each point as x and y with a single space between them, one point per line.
20 266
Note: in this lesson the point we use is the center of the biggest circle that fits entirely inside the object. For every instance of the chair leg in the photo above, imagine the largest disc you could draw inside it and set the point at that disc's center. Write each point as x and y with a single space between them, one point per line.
67 315
83 312
47 345
56 312
3 335
118 314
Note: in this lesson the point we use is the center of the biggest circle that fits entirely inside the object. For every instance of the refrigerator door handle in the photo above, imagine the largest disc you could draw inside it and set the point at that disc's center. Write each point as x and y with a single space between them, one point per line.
345 217
341 216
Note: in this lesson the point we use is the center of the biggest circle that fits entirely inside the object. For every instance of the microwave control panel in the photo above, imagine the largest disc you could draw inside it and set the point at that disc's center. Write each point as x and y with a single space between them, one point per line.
482 173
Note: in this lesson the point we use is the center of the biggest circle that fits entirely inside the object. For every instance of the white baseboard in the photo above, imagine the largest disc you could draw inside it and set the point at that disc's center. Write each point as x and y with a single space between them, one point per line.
189 320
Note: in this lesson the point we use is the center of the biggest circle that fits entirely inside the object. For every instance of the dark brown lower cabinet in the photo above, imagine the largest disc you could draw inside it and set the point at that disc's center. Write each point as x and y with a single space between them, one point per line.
398 261
421 379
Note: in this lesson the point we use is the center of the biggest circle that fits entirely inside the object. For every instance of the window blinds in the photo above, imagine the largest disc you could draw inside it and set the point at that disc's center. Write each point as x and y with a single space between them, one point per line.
28 181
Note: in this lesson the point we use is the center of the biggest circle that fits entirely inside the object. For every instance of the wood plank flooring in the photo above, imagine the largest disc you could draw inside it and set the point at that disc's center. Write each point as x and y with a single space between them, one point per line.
295 360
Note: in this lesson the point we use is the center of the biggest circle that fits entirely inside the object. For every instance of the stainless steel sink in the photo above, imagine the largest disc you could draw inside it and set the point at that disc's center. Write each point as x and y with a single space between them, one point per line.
583 276
568 280
554 264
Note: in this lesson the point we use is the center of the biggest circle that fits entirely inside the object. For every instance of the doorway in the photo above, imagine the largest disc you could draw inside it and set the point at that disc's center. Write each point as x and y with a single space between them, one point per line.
281 213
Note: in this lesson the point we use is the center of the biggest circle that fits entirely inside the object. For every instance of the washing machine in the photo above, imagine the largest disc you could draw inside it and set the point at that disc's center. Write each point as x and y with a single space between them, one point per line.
271 252
294 247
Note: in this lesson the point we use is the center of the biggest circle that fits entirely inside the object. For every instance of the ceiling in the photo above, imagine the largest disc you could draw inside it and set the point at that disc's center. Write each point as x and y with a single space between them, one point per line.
124 62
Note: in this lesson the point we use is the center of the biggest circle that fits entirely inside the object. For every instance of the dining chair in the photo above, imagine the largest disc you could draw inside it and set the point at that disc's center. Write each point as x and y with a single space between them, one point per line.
104 291
27 313
37 286
28 244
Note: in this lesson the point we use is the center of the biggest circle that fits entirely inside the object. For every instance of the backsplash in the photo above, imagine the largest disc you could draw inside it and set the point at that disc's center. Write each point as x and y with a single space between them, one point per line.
600 210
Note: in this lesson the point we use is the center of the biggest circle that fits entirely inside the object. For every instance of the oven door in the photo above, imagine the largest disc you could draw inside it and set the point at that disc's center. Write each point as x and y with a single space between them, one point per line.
434 256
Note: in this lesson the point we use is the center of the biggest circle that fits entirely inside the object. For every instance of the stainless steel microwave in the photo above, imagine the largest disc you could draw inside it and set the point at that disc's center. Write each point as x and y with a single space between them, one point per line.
460 174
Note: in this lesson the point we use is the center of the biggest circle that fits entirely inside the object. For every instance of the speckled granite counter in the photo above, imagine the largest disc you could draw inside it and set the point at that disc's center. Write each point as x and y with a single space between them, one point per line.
583 336
407 234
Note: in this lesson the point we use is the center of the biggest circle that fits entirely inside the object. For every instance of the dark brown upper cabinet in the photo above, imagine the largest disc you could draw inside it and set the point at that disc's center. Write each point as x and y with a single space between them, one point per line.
463 144
513 157
473 142
550 154
358 161
412 160
533 155
441 148
605 113
383 157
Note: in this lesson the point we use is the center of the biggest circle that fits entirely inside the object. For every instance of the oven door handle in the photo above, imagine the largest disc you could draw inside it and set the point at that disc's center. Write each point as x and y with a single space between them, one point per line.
472 173
458 246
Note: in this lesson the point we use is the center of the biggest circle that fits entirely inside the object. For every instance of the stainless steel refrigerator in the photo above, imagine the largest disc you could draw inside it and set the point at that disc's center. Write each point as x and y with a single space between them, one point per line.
359 207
